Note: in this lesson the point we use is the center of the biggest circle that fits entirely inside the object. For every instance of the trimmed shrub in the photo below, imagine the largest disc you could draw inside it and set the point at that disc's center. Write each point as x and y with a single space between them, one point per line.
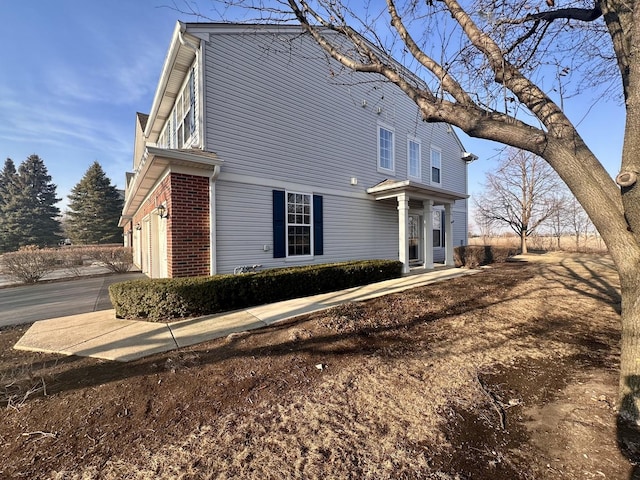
164 299
117 259
473 256
72 259
29 264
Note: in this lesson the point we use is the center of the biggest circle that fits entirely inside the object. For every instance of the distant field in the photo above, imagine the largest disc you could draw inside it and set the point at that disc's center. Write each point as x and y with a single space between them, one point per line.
567 243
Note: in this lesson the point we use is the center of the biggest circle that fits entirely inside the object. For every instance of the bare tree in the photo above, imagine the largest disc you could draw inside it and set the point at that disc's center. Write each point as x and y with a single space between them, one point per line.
485 225
520 194
485 67
577 221
558 220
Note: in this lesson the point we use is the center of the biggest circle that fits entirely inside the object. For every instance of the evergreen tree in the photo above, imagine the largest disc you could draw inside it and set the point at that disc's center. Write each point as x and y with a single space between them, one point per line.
34 207
95 207
8 232
28 212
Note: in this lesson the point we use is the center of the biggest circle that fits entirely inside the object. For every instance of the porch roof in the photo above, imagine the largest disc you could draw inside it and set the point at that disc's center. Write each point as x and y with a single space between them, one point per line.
392 188
154 163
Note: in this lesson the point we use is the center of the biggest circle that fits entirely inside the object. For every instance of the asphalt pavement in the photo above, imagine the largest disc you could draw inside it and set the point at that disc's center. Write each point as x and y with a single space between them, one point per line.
61 298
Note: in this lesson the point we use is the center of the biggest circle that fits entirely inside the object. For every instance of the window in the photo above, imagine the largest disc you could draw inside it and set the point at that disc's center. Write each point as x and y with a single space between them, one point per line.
385 149
414 163
297 224
437 228
181 125
436 157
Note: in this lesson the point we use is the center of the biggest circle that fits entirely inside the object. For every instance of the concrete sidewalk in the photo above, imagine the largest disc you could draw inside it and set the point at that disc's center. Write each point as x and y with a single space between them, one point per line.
101 335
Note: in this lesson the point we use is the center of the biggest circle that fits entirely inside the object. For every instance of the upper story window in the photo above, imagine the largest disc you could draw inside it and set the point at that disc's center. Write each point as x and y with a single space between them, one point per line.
414 159
181 125
436 166
386 149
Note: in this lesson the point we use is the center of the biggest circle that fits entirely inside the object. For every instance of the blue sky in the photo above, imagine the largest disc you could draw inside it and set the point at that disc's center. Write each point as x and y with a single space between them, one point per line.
73 73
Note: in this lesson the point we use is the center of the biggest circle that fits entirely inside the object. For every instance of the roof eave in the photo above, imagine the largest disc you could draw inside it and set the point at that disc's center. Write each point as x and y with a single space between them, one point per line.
415 190
153 166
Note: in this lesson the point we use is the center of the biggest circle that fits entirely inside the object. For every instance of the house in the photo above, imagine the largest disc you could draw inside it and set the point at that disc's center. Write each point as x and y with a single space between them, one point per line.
259 150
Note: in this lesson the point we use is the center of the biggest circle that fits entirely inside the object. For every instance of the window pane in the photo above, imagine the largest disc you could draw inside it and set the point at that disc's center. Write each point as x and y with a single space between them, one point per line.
436 219
436 238
386 149
299 240
436 157
435 175
414 159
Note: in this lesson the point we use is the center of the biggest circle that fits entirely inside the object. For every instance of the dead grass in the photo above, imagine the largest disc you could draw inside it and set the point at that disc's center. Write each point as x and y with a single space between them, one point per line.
478 377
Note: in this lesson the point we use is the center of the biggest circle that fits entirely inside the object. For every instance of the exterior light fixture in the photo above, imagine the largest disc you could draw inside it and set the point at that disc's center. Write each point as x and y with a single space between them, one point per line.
162 212
138 226
469 157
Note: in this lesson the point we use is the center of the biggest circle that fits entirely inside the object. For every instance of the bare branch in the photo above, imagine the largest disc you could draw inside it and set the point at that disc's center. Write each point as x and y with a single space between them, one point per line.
580 14
449 84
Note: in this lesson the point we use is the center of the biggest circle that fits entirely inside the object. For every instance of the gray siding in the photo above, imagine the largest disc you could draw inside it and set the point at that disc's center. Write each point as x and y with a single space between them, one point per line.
353 228
301 123
287 120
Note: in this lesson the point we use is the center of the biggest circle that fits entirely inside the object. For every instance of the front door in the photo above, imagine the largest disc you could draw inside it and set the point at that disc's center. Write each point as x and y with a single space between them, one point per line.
414 238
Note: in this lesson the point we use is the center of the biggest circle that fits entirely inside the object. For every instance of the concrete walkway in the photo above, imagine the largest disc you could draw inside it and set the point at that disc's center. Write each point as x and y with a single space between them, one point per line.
101 335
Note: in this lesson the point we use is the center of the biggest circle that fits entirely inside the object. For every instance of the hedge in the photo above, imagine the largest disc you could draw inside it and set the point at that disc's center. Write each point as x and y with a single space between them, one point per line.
165 299
474 256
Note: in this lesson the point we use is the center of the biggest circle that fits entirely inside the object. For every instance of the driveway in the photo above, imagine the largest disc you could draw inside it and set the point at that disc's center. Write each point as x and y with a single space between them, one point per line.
29 303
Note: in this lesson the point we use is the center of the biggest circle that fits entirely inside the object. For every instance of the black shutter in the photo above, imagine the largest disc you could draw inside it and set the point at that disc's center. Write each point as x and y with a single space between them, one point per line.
318 234
279 225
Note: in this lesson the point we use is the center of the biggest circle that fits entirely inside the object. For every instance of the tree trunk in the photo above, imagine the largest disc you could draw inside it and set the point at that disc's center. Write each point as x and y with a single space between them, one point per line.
629 391
523 243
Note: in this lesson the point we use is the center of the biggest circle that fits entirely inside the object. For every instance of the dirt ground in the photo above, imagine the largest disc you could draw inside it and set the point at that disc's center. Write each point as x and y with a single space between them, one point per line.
507 374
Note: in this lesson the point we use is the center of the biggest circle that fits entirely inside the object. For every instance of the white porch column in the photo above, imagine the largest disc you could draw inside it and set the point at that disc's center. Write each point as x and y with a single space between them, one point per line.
448 236
427 233
403 231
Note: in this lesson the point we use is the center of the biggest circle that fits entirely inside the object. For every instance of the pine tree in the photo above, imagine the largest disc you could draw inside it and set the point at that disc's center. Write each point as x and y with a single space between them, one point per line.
28 212
95 207
34 208
8 232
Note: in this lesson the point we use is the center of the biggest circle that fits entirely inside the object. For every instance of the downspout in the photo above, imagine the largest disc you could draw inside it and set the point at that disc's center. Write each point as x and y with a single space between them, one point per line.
212 221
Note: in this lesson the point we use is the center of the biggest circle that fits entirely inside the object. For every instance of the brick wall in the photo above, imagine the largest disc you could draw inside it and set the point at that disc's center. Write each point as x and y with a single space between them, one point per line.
188 232
158 196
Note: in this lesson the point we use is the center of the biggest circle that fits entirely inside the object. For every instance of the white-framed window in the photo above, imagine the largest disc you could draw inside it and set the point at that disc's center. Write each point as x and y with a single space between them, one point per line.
386 149
436 166
414 159
299 224
181 124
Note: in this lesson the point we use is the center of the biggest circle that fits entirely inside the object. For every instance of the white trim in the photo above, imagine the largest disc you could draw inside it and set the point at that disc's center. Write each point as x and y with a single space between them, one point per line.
448 237
411 139
201 118
391 130
427 226
213 234
286 225
403 227
431 166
